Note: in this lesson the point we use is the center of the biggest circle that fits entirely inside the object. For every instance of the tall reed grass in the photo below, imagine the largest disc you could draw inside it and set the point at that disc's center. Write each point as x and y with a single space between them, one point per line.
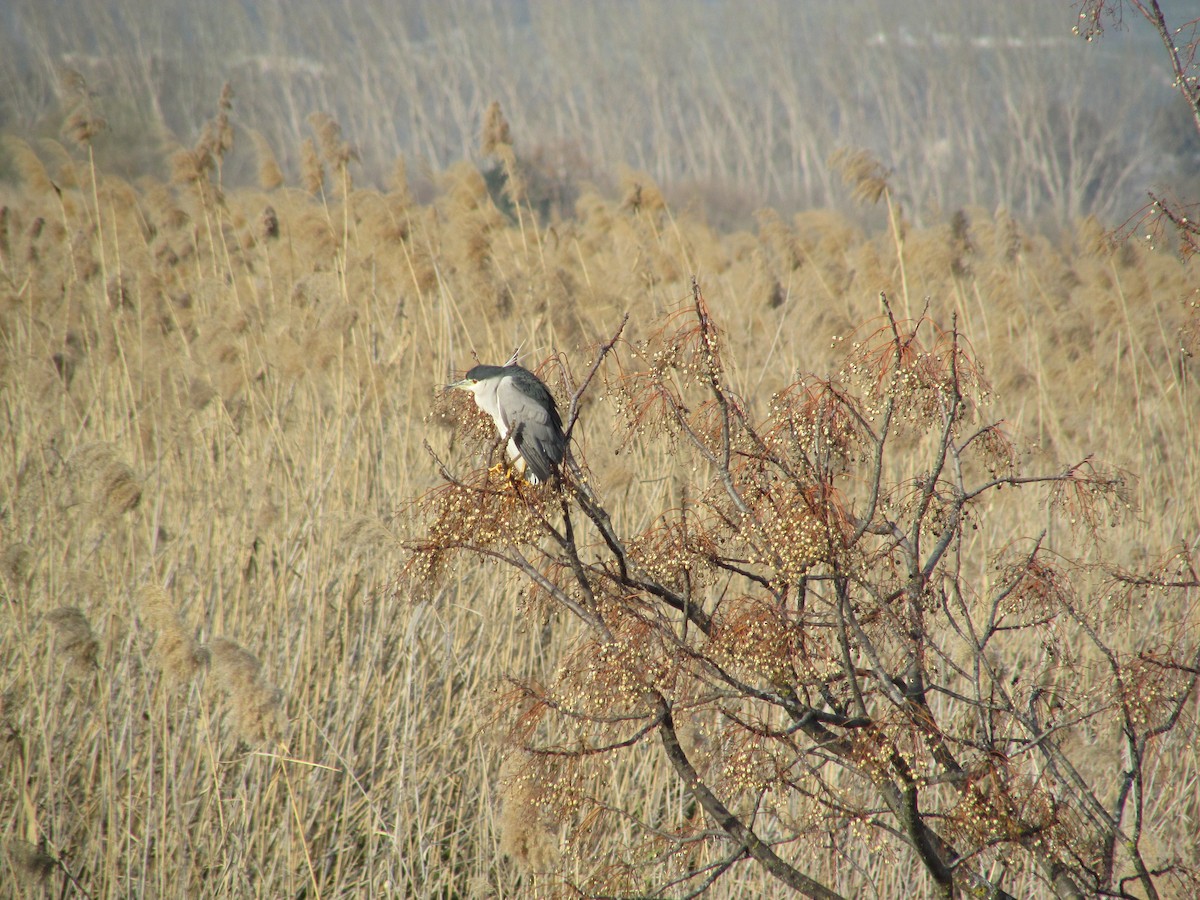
219 404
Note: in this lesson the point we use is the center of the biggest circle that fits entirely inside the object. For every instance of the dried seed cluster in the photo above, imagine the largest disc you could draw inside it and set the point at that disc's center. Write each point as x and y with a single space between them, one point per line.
745 765
678 552
999 807
788 534
489 510
754 637
610 677
813 425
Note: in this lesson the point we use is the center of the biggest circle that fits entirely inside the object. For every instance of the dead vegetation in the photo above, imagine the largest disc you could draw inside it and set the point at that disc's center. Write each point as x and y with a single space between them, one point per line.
222 405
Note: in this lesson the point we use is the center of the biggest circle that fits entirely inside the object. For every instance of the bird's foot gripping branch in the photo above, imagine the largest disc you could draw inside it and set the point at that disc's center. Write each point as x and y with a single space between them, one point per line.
843 631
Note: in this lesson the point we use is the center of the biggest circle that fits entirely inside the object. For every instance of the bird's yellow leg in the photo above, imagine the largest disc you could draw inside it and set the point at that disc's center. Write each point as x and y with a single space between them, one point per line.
508 473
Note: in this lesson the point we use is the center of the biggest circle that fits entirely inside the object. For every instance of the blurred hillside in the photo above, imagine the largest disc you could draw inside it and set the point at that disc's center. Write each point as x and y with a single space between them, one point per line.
729 107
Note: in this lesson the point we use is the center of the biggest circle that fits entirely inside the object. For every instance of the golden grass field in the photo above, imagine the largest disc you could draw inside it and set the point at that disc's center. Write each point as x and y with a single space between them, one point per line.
218 409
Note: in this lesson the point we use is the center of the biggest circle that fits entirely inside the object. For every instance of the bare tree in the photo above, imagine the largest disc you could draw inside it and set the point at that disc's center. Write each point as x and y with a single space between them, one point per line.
826 653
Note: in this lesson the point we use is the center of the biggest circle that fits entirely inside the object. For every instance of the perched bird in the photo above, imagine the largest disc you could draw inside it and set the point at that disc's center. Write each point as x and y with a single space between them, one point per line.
524 412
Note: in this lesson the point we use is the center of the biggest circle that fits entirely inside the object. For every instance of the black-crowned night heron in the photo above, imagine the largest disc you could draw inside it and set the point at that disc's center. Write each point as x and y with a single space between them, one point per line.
524 412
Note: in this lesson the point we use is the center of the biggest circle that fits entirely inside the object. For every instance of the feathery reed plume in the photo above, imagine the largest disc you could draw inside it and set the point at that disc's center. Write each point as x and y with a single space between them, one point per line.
33 234
180 657
14 562
365 535
1093 239
862 173
188 167
60 163
526 833
496 132
199 169
257 705
496 141
1008 236
11 700
115 488
270 176
397 183
200 392
118 490
216 139
29 863
961 245
74 642
163 209
193 169
83 123
312 172
639 193
29 166
335 152
268 224
778 240
266 516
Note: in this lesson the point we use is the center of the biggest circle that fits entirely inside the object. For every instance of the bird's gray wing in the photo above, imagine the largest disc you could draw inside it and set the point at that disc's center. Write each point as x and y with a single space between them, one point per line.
534 424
